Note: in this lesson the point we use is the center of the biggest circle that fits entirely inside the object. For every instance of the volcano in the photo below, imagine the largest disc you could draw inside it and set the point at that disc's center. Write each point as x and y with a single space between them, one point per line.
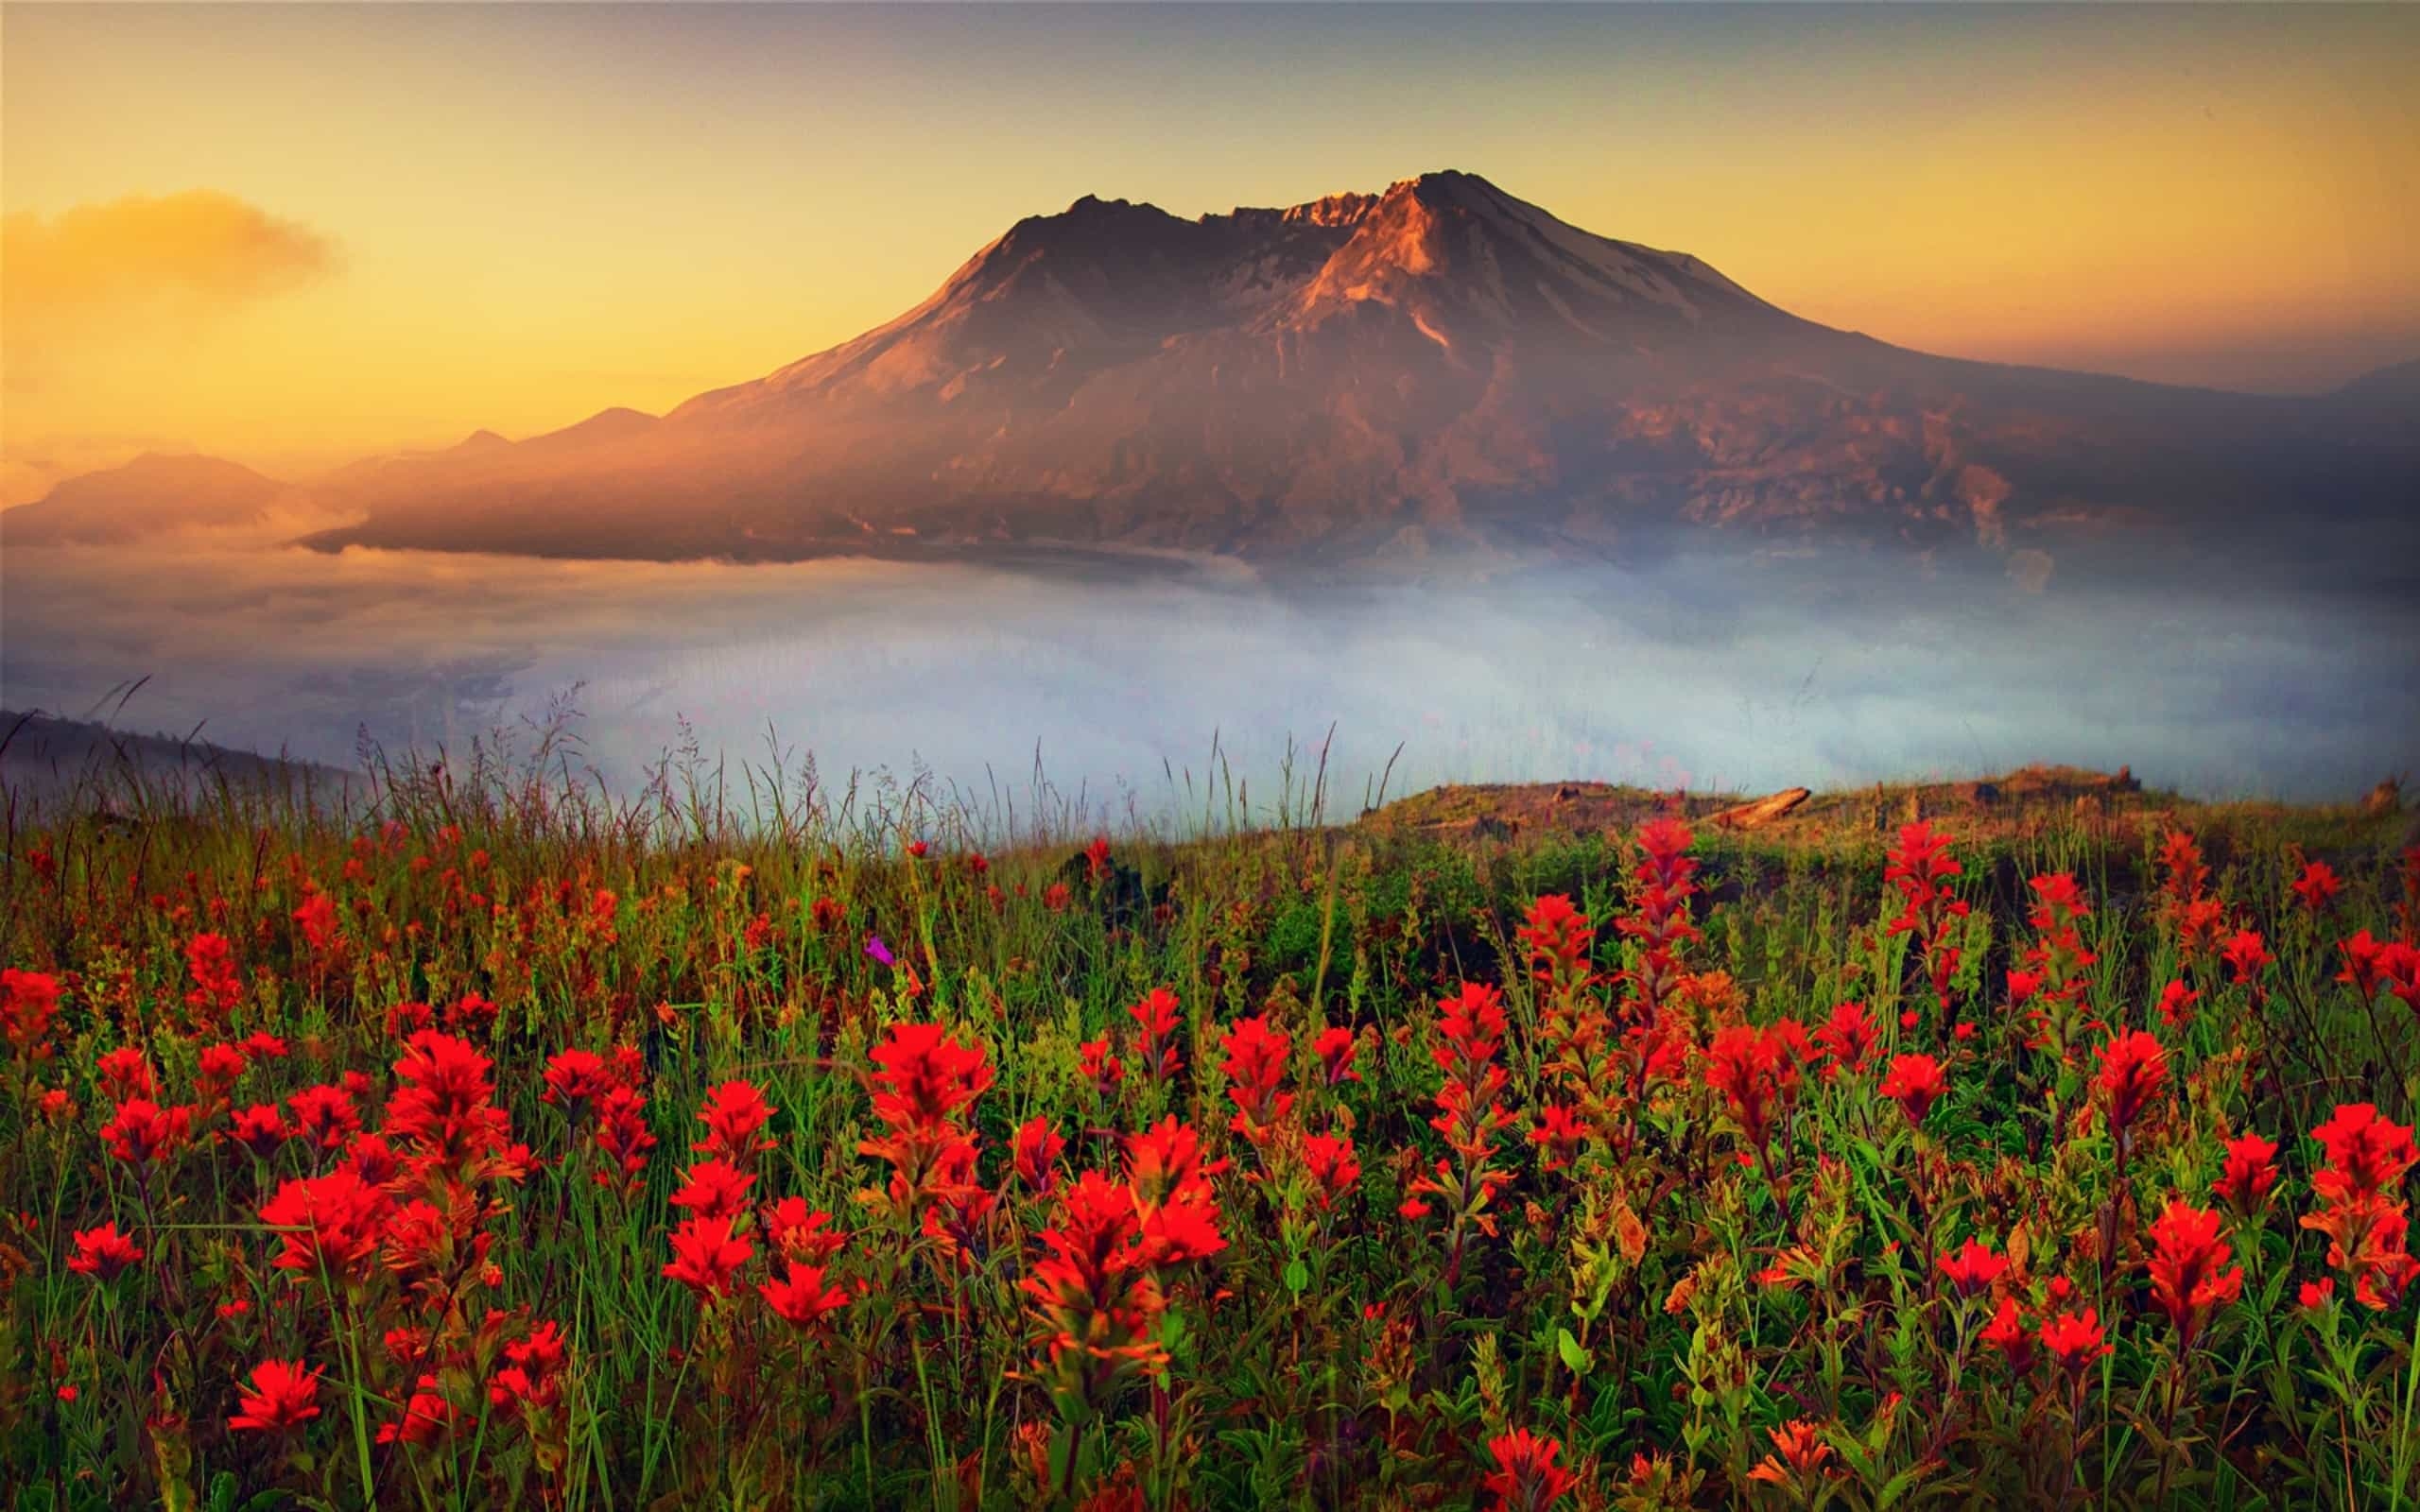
1377 377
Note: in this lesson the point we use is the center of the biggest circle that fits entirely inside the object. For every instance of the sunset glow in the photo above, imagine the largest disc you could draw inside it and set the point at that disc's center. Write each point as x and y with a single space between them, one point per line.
291 235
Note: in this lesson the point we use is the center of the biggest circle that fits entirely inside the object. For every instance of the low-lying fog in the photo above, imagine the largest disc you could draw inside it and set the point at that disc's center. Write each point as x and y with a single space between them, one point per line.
1700 672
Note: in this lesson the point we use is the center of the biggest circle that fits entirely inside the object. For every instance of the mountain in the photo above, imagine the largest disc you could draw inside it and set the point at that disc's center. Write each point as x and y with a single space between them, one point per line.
152 494
1372 376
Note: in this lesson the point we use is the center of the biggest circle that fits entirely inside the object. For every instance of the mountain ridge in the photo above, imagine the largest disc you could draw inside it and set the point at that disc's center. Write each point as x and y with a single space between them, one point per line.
1438 364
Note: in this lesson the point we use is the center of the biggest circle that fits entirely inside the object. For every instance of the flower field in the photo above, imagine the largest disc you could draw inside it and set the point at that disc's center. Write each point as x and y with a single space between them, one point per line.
483 1153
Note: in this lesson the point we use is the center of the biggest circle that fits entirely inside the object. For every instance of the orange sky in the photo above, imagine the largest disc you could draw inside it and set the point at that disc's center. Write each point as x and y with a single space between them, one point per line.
294 234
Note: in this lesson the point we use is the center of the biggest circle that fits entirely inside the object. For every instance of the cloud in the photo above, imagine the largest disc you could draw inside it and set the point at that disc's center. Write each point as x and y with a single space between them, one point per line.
144 265
1704 671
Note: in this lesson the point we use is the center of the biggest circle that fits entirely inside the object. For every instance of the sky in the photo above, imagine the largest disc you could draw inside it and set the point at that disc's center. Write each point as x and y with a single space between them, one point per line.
295 234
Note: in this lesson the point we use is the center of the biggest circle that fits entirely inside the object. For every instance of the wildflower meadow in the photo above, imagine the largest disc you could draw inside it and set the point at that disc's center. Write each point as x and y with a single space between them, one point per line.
479 1149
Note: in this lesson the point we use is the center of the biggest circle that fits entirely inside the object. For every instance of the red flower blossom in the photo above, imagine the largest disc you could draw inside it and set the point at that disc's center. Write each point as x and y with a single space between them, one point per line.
1847 1038
2132 1070
2176 1003
2189 1273
926 1076
2367 1156
1099 1068
1973 1269
1036 1160
1157 1016
735 1114
2247 956
1798 1453
1558 1136
1255 1067
443 1111
102 1253
2008 1334
714 1189
143 1131
2075 1339
1916 1083
2316 1295
28 1005
259 1129
2317 886
706 1256
1527 1477
282 1396
1336 1046
2249 1175
802 1300
126 1071
1333 1170
333 1223
623 1136
575 1078
428 1417
324 1116
802 1234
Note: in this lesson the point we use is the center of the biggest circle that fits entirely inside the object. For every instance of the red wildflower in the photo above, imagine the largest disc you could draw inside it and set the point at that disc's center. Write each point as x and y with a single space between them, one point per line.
324 1116
143 1131
102 1253
2132 1070
2189 1272
2367 1156
316 917
1333 1170
802 1300
575 1078
2247 956
2249 1175
2317 886
28 1005
126 1071
1973 1269
714 1189
1558 1136
1336 1046
623 1136
260 1128
1255 1067
216 987
1847 1038
1099 1068
803 1235
2316 1295
734 1115
1157 1016
1527 1477
443 1111
2176 1003
428 1417
2008 1334
333 1223
707 1254
1036 1160
1916 1082
1798 1453
926 1076
282 1396
2075 1339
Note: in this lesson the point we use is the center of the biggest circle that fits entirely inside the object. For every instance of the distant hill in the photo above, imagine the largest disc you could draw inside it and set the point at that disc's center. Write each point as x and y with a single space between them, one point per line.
148 496
44 756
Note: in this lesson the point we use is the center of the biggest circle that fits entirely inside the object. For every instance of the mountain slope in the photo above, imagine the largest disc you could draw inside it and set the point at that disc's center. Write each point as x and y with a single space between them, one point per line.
1439 365
147 497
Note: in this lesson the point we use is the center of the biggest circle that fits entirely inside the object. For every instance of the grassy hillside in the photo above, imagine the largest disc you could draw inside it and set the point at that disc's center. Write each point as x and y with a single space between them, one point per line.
499 1144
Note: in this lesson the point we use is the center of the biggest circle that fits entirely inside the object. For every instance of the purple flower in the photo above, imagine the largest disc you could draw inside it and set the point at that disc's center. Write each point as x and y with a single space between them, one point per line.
876 948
